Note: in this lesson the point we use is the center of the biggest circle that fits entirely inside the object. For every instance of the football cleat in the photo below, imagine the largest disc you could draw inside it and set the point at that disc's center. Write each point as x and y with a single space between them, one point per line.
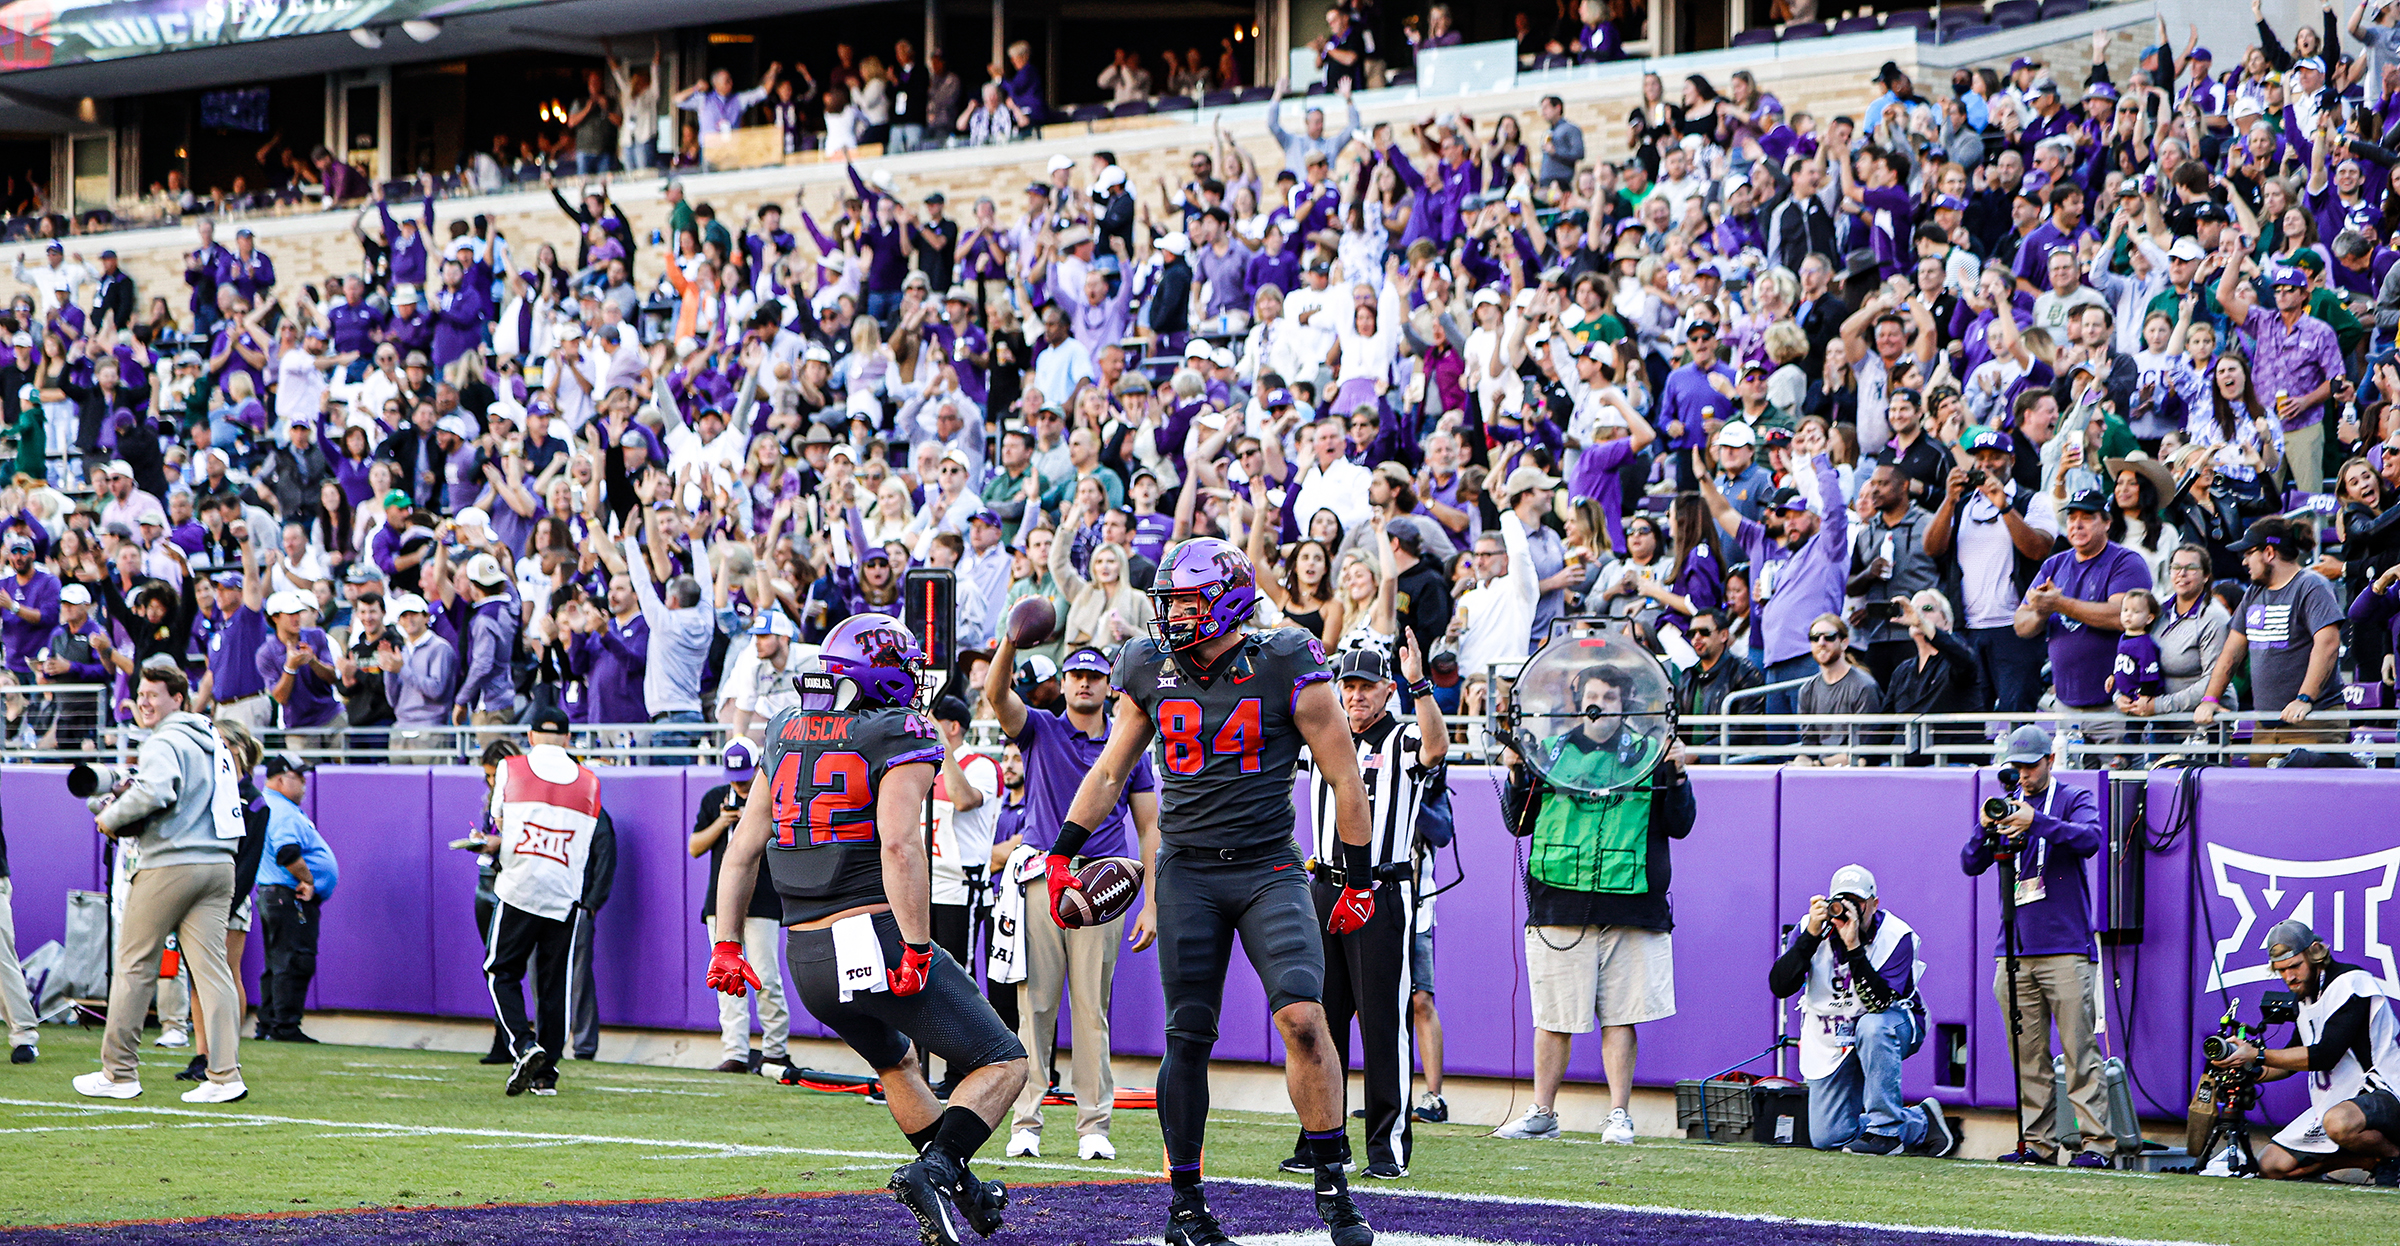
982 1201
1190 1224
1341 1214
924 1188
528 1068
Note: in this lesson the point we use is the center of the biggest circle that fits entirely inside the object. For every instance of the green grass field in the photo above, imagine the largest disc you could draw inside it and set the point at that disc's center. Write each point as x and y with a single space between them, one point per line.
343 1127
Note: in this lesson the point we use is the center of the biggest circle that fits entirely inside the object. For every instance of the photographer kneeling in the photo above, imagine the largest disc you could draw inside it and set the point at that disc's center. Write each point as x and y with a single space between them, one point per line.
2350 1042
1858 968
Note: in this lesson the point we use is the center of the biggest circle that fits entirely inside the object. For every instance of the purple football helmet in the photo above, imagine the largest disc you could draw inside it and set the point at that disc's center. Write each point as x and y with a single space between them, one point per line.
1211 572
876 653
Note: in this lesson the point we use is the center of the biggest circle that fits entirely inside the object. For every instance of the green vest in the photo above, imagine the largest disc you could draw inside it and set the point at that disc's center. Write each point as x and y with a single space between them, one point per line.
1594 843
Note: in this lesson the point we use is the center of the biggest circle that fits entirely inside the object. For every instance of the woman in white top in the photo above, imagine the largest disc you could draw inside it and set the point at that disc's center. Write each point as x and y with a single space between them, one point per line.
1497 387
843 120
1369 344
1273 346
874 94
888 517
1103 610
1366 590
1988 385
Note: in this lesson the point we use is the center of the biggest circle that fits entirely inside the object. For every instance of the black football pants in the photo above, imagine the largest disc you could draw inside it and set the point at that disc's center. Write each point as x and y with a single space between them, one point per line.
519 937
289 925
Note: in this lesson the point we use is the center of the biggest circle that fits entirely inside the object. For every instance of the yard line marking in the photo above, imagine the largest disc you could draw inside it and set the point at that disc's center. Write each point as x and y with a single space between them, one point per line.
397 1077
1743 1217
398 1130
514 1146
70 1129
644 1090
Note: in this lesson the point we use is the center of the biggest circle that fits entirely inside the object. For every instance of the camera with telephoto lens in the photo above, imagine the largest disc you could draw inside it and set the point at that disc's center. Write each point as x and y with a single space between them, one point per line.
1995 808
85 781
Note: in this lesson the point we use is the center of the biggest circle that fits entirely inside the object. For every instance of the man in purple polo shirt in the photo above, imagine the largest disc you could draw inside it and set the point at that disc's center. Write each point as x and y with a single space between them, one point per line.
1797 574
2077 601
1696 392
28 608
2054 830
612 654
2294 361
292 659
1059 747
233 629
2065 229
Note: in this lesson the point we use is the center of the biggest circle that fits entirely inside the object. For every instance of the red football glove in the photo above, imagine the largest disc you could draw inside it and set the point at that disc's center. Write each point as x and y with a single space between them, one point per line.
1062 881
909 978
1351 911
729 970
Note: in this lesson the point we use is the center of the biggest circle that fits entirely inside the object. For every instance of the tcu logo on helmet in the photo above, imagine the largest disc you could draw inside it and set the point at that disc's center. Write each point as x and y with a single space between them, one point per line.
885 647
1234 568
2344 901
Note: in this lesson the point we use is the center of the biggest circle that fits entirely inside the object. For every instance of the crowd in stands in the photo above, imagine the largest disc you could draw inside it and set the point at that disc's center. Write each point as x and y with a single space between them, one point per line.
1939 399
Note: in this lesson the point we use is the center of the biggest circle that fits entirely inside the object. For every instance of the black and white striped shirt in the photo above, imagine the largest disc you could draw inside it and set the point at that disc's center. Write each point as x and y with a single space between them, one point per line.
1390 761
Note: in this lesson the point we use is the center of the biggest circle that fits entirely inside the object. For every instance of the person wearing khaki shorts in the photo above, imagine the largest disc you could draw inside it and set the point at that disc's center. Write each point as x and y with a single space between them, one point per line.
1603 951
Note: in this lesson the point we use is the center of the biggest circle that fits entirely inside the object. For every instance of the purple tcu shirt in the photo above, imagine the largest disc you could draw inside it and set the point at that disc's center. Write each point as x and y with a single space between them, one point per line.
1057 756
22 637
612 662
312 703
2081 656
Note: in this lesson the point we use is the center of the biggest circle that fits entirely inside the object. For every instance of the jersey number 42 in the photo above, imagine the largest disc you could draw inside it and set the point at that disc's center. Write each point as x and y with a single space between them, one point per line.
827 808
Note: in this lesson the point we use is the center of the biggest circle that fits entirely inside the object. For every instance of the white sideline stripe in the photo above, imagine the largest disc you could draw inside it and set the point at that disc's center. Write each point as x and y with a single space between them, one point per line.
390 1130
70 1129
645 1090
1743 1217
397 1077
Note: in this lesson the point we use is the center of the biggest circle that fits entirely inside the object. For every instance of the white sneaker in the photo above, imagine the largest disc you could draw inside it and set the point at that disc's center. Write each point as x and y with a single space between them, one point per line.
1536 1123
1619 1128
216 1092
174 1038
1096 1146
1025 1142
101 1086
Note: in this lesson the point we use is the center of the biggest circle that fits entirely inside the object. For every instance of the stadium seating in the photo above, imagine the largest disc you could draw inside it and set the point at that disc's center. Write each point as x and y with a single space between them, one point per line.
2060 8
1964 33
1749 38
1856 25
1921 19
1803 30
2016 12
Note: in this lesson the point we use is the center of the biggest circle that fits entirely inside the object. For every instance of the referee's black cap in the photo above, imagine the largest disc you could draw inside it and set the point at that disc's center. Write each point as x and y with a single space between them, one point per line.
1364 664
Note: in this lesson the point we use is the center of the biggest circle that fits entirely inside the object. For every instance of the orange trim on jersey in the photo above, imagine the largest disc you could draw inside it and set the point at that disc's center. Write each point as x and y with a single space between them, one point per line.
518 783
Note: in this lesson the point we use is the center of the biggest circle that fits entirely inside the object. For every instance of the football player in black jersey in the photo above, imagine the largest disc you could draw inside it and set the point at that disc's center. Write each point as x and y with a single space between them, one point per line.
842 834
1231 710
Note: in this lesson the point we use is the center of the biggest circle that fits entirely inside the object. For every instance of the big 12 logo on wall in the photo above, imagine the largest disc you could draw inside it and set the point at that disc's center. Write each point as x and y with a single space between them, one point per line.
2344 901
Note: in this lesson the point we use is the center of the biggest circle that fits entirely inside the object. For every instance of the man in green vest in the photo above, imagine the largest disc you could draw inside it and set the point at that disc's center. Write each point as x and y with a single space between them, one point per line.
1597 928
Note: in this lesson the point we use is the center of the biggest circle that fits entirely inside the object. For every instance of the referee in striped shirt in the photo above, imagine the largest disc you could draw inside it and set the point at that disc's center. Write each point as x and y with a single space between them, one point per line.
1367 971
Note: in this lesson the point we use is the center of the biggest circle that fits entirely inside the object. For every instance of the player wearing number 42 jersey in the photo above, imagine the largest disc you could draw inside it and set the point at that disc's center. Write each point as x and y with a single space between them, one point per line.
842 834
1230 710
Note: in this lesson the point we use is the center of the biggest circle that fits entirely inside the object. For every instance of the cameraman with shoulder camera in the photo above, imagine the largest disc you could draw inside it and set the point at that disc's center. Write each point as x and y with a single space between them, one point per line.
1857 966
179 806
2050 831
2349 1041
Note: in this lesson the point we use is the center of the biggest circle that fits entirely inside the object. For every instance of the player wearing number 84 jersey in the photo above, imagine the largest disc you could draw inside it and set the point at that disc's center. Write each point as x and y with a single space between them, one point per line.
1231 710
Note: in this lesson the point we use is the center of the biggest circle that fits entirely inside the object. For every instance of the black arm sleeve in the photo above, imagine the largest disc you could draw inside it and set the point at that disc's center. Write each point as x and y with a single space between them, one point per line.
1521 801
1867 980
2345 1033
600 867
1789 973
287 854
1674 808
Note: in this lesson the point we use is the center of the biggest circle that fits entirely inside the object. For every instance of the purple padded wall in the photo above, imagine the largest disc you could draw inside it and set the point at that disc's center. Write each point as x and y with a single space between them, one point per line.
400 934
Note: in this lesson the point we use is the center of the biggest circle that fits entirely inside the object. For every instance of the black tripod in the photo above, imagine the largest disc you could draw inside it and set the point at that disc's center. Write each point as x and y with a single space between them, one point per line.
2004 852
2231 1130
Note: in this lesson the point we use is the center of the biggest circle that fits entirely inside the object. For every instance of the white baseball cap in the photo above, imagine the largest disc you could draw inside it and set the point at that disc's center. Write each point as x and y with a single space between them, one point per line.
406 603
288 602
1852 880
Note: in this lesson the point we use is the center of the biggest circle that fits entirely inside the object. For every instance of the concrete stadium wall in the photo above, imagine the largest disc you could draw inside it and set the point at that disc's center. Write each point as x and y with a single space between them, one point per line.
400 936
1823 76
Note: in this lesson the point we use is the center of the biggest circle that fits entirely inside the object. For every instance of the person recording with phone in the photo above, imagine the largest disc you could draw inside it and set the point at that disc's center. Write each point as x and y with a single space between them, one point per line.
2349 1044
2049 830
1856 968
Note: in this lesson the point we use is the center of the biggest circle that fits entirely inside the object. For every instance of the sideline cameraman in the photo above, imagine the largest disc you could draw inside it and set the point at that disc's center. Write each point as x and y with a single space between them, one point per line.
1863 1017
182 884
2052 829
2350 1042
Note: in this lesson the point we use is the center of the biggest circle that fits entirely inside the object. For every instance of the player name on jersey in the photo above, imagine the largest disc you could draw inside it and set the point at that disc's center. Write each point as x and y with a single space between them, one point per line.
815 727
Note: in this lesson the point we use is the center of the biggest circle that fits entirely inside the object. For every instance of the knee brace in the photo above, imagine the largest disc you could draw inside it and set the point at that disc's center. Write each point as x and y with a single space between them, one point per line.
1194 1025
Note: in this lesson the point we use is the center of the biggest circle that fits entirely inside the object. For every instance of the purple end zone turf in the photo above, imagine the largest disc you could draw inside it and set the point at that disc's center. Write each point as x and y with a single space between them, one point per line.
1050 1215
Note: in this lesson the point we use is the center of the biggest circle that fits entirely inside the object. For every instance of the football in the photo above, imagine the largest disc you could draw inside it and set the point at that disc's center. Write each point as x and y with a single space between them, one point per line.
1031 622
1109 885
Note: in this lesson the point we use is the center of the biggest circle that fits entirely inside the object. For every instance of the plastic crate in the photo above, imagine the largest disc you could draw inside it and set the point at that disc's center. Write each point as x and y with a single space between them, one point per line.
1725 1104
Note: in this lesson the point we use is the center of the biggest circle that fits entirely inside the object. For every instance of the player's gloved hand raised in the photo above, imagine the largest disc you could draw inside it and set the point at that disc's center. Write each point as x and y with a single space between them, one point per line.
1062 881
1352 911
916 961
729 970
